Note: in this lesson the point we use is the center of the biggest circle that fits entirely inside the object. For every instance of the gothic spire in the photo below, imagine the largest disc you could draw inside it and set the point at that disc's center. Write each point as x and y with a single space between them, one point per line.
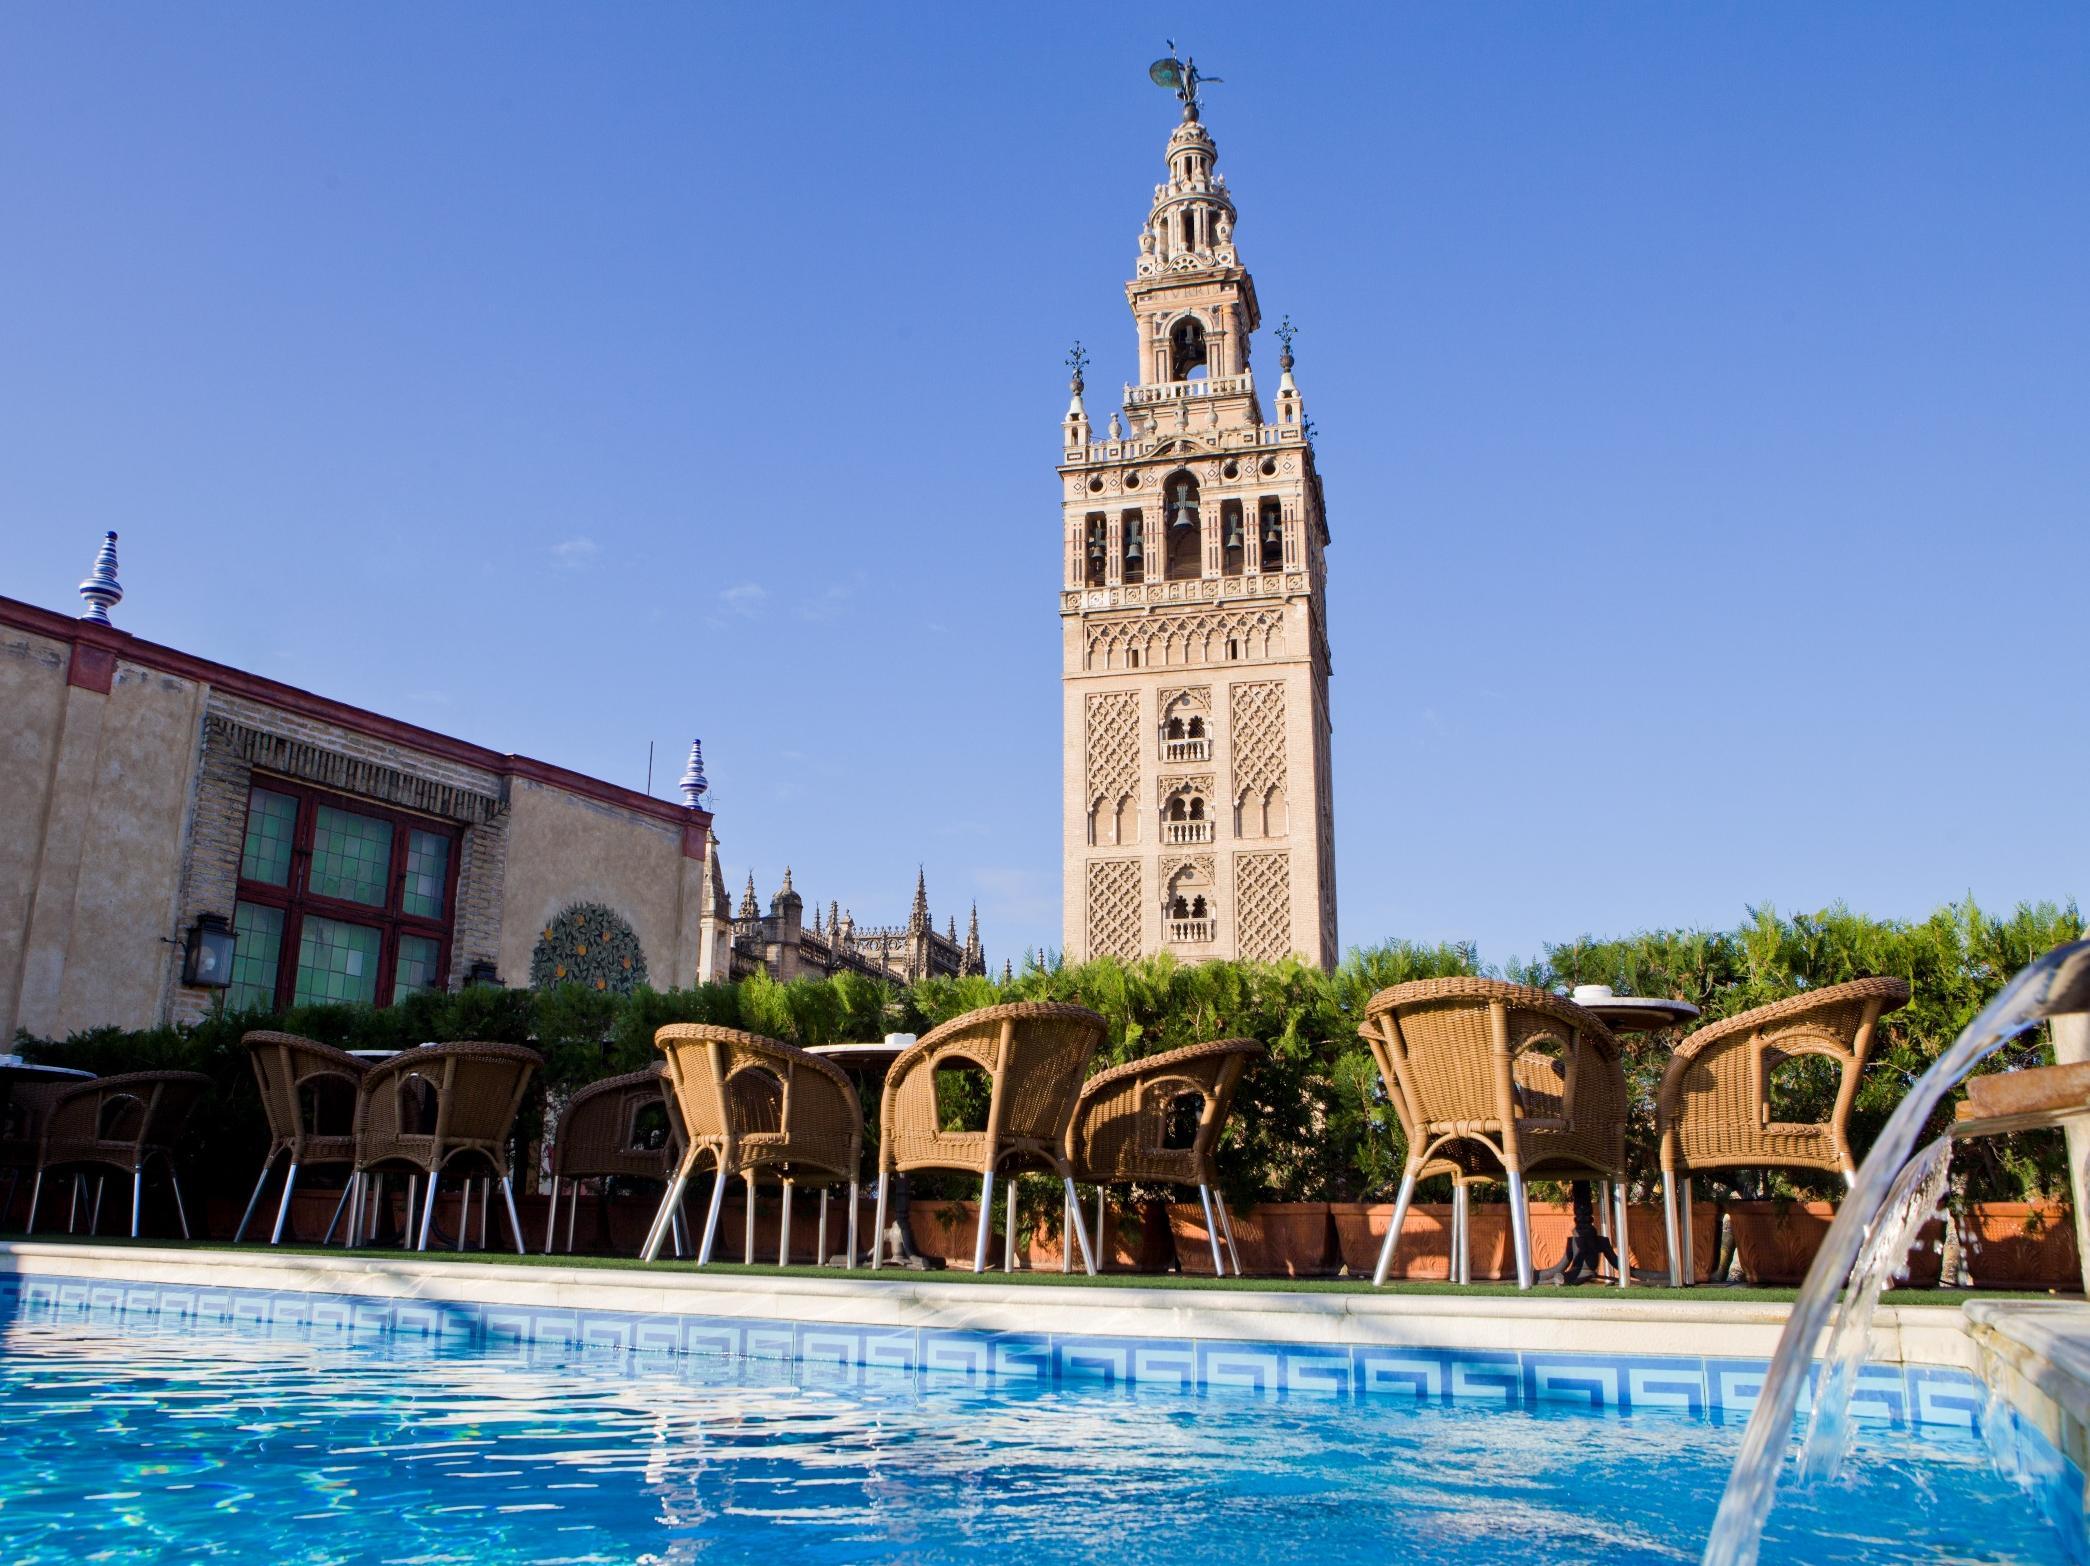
918 918
749 908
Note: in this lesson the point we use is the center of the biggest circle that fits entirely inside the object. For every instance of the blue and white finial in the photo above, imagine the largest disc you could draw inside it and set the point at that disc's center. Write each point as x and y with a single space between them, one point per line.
101 589
694 784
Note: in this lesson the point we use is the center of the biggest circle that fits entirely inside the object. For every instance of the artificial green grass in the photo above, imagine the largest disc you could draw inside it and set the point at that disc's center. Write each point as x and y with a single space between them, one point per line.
1638 1294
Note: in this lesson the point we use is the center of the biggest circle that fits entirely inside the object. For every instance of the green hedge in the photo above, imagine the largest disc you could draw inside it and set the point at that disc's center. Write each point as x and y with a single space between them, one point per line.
1310 1124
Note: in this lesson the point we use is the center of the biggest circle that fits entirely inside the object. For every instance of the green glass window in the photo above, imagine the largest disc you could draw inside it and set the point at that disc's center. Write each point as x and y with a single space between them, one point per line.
415 969
351 856
427 874
255 958
336 962
271 819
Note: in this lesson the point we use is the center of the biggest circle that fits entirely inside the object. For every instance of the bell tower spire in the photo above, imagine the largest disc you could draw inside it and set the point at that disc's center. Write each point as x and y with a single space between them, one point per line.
1197 813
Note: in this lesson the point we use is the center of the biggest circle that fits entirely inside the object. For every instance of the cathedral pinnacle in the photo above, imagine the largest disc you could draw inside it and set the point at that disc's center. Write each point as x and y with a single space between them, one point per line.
749 909
918 917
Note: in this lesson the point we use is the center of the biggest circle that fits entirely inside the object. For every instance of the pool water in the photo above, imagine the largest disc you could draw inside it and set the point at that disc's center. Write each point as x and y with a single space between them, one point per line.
131 1444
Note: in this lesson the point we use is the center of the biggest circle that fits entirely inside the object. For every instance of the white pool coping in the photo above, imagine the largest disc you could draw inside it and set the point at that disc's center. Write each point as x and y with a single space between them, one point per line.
1612 1323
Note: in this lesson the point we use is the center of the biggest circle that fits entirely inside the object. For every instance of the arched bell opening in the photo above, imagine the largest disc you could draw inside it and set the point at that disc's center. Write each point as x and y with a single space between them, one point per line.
1186 538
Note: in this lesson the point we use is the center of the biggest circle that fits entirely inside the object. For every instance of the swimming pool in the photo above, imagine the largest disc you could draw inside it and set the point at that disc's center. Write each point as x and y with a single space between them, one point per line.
128 1442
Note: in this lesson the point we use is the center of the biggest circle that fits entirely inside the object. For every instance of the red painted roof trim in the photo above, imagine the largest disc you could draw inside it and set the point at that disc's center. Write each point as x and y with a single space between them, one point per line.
100 641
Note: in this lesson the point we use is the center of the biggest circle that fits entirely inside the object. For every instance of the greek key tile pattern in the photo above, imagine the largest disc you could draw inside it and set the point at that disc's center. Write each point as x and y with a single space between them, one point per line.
1718 1390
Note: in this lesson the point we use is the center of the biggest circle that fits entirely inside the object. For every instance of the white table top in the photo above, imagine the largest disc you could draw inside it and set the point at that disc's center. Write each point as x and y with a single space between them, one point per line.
15 1066
1639 1013
878 1053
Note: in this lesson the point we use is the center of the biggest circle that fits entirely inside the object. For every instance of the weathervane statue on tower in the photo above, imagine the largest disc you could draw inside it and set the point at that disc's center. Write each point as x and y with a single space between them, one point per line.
1180 77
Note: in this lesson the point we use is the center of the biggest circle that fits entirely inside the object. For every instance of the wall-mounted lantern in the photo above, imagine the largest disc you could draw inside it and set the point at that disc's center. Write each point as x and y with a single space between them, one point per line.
482 972
208 962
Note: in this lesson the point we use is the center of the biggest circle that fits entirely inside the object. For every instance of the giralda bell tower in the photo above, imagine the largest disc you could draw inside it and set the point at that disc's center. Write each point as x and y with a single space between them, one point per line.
1197 813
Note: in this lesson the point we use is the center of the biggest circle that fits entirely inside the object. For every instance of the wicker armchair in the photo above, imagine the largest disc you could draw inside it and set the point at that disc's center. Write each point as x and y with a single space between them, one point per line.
24 1107
1129 1125
1035 1055
599 1137
424 1108
120 1122
1714 1109
1486 1075
750 1103
304 1084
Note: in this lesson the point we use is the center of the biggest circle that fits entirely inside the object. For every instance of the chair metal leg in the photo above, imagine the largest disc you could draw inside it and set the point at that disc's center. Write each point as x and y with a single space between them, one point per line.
352 1198
514 1223
678 1234
670 1205
253 1201
435 1181
573 1212
551 1217
1621 1238
373 1207
137 1196
1008 1239
849 1258
1226 1227
464 1210
486 1211
1204 1195
36 1194
290 1185
340 1206
1393 1229
878 1222
986 1224
1670 1230
1068 1203
1458 1269
72 1213
1101 1253
718 1201
783 1229
1081 1233
820 1257
1687 1196
94 1217
747 1247
1520 1228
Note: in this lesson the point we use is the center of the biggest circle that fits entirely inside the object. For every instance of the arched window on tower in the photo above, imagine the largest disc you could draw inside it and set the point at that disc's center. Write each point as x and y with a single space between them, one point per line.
1096 551
1232 539
1186 345
1186 534
1270 525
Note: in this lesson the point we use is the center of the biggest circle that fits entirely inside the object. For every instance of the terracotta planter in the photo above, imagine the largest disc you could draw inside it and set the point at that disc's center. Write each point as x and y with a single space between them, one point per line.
1777 1241
1275 1239
1648 1228
1134 1239
1424 1253
2020 1245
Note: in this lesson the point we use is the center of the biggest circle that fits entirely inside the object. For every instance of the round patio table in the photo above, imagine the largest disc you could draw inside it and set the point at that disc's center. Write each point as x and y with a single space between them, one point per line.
1621 1014
868 1063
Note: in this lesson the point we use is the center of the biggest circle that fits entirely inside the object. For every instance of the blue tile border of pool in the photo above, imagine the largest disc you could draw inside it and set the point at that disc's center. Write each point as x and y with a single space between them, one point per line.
1706 1387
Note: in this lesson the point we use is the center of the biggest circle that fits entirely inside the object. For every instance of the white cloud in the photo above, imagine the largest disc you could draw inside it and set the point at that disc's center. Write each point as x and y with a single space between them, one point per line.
745 599
574 553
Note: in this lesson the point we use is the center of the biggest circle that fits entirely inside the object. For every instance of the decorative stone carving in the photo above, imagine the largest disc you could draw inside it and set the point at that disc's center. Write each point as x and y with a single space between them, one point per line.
1198 637
1113 908
1112 746
1255 722
1263 906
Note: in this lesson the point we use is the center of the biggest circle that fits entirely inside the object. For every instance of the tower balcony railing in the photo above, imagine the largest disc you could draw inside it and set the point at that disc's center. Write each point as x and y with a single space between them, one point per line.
1189 932
1242 385
1186 750
1186 832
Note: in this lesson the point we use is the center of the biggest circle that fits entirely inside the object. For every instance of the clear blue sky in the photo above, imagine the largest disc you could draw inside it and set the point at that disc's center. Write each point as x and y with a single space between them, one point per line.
1703 392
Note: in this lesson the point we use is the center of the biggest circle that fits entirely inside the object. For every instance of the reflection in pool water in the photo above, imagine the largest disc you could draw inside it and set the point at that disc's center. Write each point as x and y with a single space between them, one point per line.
135 1443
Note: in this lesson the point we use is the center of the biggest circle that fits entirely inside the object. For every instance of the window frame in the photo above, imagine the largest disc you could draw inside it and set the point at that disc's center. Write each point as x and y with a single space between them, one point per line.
391 920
